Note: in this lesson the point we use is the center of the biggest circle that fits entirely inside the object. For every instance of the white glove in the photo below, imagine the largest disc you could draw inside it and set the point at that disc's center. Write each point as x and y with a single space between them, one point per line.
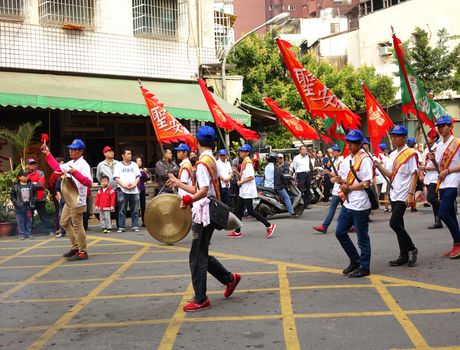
65 168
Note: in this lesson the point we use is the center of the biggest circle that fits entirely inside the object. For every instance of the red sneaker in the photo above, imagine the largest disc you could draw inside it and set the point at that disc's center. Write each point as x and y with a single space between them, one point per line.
455 253
194 306
320 228
447 253
271 230
232 285
234 235
78 257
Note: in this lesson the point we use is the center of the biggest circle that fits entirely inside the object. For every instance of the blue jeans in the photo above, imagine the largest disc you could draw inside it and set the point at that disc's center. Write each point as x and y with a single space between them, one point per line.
125 199
335 201
360 219
24 220
287 200
225 196
447 211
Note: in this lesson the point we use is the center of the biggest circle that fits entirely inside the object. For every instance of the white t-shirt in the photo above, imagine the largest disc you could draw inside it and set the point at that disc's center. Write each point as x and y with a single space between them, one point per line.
452 179
337 164
401 182
431 176
127 173
248 189
83 168
203 179
184 178
357 200
224 169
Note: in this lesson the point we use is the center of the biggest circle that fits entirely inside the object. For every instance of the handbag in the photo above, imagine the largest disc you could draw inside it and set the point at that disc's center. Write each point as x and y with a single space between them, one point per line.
218 213
371 192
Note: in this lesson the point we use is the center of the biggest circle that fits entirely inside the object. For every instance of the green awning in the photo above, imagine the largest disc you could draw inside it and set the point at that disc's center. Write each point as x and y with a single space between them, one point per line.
102 95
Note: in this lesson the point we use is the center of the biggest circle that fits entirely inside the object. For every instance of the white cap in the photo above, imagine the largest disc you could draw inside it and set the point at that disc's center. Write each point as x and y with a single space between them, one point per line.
280 155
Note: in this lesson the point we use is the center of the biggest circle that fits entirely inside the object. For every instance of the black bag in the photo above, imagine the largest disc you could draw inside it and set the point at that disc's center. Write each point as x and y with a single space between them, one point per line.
218 213
371 192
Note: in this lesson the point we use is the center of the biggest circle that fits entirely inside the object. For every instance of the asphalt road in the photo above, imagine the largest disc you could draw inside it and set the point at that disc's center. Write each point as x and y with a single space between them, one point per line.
130 293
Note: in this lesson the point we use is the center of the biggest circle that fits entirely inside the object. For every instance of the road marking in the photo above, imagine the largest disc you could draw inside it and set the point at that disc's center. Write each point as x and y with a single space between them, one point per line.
92 254
22 252
63 320
289 326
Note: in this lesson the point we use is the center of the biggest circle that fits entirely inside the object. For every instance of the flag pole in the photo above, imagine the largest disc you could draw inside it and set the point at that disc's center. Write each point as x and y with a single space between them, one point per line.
222 138
322 145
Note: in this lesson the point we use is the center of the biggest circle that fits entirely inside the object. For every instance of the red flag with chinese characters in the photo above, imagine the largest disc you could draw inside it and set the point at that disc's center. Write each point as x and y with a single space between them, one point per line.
316 97
222 119
167 128
296 126
377 120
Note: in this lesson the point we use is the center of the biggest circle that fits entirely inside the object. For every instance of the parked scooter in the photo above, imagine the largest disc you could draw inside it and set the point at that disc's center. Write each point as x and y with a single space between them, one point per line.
315 186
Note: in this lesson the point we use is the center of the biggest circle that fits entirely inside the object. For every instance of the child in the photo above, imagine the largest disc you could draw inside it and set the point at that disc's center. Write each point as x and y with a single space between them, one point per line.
105 203
23 194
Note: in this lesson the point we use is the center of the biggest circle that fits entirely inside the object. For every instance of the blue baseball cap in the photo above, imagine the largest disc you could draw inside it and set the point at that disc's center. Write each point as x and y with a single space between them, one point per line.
77 144
366 141
383 146
206 134
354 135
222 152
399 130
245 148
335 148
445 119
411 140
182 147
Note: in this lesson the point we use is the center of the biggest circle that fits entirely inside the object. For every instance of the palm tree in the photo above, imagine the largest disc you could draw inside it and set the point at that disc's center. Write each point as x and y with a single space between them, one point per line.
20 138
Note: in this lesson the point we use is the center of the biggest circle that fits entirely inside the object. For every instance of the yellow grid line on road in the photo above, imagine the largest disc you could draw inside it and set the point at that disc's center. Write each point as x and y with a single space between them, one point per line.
22 252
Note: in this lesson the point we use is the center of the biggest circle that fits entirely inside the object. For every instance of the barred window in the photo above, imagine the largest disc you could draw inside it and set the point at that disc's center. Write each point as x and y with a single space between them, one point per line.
156 18
12 9
71 13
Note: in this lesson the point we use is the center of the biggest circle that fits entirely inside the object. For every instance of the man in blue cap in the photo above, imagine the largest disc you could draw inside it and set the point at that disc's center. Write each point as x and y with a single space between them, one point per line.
248 191
224 168
72 218
402 170
411 142
354 177
448 157
201 262
185 169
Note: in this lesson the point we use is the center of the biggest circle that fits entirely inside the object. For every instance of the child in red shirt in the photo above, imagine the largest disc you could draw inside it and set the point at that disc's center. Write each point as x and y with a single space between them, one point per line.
105 203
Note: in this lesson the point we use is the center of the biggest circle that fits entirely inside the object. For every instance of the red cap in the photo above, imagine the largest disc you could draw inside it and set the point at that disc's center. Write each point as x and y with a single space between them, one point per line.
107 148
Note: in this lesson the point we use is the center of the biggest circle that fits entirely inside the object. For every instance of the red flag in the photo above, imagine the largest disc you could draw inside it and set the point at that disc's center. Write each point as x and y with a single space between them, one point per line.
296 126
377 120
222 119
167 128
316 97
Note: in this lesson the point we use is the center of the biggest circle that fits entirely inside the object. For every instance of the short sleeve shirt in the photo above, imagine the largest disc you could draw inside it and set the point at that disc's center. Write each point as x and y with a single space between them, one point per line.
401 182
452 179
248 189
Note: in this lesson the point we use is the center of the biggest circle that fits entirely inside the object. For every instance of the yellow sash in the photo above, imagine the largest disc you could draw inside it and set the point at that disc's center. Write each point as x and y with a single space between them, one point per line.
357 160
449 153
189 168
401 159
211 166
246 161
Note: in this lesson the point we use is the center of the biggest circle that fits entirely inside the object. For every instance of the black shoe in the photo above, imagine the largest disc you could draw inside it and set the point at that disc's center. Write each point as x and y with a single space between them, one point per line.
70 253
307 207
360 272
413 210
435 225
412 257
352 267
369 220
426 205
401 260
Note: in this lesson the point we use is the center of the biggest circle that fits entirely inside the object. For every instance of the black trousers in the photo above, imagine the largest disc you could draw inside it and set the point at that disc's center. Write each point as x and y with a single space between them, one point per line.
243 203
398 208
327 187
226 196
142 203
304 183
432 198
201 263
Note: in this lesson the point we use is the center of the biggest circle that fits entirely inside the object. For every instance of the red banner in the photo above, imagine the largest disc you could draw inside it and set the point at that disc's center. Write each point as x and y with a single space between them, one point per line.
316 97
296 126
167 128
377 120
222 119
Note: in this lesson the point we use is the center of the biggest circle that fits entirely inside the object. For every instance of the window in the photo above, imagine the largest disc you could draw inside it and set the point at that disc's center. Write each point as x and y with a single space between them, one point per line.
12 9
67 13
277 7
335 28
156 18
291 7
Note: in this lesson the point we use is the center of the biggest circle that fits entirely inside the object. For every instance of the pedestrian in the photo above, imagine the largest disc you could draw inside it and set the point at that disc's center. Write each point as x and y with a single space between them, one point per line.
72 218
52 190
402 169
248 191
105 204
185 175
225 171
23 195
302 167
145 176
448 158
163 168
354 177
327 165
199 259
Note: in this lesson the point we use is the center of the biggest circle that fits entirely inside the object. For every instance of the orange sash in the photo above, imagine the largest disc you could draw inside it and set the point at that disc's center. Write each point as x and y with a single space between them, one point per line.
449 153
187 166
358 159
246 161
401 159
211 166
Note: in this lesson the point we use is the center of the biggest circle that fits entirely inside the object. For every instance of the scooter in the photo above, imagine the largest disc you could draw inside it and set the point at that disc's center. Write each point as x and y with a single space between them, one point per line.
269 203
315 186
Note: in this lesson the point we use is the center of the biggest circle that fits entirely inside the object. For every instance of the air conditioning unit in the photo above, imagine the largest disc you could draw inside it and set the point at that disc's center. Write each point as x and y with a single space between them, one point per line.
385 51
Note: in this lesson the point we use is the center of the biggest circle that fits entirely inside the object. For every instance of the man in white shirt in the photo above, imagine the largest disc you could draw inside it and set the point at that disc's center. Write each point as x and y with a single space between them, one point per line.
448 157
356 207
248 191
225 171
301 165
402 170
127 175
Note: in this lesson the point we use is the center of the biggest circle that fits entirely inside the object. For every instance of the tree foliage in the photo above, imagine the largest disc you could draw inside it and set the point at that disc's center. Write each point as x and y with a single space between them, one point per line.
258 59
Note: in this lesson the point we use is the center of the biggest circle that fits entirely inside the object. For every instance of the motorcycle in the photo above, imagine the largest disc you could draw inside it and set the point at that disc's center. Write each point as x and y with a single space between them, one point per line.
316 185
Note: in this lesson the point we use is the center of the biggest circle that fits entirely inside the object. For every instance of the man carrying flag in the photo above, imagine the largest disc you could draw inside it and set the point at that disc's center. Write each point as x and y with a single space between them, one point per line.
402 169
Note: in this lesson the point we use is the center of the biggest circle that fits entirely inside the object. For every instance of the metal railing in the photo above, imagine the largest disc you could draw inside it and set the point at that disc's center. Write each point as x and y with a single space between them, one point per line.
77 13
12 9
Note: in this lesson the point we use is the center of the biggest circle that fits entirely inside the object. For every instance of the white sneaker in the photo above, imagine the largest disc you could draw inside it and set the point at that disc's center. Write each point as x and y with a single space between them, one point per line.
136 229
121 230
